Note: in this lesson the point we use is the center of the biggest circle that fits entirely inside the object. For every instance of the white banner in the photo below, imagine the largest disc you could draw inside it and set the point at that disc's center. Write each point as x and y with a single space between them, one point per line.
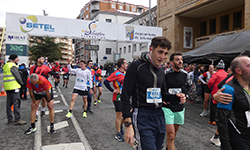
188 37
17 38
73 28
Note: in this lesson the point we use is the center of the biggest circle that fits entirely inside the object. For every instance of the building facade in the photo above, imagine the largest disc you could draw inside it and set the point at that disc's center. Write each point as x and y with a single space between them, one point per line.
3 48
189 24
66 50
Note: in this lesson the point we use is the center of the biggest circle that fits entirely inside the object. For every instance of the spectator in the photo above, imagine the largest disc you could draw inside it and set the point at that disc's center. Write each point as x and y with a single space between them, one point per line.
24 75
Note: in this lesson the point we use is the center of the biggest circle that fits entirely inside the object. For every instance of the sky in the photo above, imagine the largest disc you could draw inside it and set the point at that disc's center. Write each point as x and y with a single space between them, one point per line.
54 8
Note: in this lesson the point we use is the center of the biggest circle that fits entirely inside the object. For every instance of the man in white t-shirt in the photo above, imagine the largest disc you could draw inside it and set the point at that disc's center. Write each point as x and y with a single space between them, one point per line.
83 75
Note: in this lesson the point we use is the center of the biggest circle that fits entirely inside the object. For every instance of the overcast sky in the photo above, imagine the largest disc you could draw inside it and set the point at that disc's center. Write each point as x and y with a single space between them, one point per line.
54 8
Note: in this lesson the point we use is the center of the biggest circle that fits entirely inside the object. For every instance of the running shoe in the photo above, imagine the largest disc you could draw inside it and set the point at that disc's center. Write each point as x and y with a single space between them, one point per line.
30 130
42 113
212 122
99 101
84 115
36 118
52 130
63 85
203 114
216 142
66 86
119 137
69 114
95 103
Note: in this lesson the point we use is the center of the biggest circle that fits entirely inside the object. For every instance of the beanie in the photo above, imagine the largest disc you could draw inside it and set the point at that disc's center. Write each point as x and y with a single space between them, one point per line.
13 57
220 65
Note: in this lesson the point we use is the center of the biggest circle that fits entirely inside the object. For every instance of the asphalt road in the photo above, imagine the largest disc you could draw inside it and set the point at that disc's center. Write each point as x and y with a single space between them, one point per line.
95 132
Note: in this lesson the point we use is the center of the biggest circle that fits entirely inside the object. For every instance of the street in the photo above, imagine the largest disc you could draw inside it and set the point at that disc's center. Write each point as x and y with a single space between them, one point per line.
95 132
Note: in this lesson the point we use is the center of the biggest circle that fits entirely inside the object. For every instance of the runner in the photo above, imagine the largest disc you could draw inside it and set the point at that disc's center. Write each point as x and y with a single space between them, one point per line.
89 98
117 78
56 68
97 84
65 76
39 87
82 76
41 69
178 85
144 81
207 91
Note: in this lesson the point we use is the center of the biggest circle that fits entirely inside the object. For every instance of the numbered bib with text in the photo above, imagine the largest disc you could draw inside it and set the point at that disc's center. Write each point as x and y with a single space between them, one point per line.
154 95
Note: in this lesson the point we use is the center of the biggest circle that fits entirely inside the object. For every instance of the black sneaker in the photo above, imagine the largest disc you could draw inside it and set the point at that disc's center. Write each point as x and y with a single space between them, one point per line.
66 86
30 130
89 111
119 137
52 130
63 85
42 113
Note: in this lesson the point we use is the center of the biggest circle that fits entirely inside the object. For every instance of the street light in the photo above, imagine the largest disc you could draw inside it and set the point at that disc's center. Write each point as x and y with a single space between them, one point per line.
149 11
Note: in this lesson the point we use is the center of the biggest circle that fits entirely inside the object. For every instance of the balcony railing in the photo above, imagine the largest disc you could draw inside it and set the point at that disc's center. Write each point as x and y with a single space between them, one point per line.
94 8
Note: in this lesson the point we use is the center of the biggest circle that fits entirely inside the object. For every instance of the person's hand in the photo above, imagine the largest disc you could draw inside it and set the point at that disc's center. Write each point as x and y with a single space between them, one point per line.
129 135
222 97
34 106
182 97
91 91
115 91
50 104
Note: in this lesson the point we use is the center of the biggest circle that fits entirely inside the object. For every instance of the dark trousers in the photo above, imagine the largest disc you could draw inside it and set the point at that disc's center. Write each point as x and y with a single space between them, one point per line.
212 111
23 91
150 128
238 141
89 99
13 99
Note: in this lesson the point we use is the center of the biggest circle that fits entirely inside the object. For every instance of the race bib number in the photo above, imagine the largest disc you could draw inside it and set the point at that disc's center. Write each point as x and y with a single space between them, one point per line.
65 76
79 80
154 95
174 91
97 83
248 118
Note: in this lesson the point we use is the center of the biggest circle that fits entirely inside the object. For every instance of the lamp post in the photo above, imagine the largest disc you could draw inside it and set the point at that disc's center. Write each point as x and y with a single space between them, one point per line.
149 11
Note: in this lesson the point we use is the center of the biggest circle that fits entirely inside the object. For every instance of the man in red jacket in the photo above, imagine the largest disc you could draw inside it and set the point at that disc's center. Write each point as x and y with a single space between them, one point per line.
56 68
213 84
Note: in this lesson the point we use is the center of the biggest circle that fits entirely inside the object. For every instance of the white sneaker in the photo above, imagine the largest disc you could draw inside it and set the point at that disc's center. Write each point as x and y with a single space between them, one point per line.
215 141
203 114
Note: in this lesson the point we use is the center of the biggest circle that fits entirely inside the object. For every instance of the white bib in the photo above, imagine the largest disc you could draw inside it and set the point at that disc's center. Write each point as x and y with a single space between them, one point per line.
154 95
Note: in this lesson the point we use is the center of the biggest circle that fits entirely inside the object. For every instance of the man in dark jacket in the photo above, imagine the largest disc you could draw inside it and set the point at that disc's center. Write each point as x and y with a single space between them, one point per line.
24 75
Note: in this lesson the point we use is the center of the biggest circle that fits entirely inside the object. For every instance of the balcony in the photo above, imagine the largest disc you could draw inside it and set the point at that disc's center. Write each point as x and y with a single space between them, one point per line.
94 8
64 52
95 1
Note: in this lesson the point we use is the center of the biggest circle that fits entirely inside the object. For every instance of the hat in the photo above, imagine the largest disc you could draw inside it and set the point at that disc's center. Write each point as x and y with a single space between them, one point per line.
95 64
57 63
13 56
220 65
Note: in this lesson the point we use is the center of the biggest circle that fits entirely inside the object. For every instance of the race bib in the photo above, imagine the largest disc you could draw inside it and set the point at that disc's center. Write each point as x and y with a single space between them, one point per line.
154 95
174 91
97 83
65 76
79 80
248 118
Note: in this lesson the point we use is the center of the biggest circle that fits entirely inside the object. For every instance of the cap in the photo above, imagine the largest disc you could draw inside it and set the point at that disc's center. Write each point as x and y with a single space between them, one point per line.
95 64
221 65
57 63
13 56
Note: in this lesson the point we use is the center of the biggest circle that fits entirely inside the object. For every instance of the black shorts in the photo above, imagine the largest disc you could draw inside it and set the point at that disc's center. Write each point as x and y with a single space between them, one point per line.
80 92
206 89
66 77
40 96
118 106
57 76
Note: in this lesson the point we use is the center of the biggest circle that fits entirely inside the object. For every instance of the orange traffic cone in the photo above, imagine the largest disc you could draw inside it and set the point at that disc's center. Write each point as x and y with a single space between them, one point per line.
12 108
3 93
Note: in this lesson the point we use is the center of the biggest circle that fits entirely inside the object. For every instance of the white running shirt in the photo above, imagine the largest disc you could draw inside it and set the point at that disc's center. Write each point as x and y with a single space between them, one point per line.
82 76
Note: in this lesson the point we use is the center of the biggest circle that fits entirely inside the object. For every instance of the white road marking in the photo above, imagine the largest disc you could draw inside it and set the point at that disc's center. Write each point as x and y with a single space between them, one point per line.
56 111
59 125
56 102
55 96
66 146
38 138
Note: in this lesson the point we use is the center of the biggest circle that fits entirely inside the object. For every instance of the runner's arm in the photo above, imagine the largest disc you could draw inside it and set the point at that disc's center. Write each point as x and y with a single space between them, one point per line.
201 79
106 83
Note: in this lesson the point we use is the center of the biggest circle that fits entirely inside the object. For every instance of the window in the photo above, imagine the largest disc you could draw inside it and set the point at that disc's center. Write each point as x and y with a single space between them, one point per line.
134 47
120 7
133 8
129 49
87 16
128 8
237 20
212 26
124 50
203 28
87 8
109 20
113 6
139 10
120 50
224 23
108 51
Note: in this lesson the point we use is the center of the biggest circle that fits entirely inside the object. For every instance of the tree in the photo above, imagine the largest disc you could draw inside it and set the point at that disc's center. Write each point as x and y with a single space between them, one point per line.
46 47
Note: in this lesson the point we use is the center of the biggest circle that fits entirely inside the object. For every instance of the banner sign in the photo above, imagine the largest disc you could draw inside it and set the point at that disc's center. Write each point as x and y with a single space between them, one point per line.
18 49
17 38
35 25
92 47
188 37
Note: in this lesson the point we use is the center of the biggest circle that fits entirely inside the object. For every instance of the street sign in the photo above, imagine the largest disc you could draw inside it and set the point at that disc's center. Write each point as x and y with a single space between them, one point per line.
92 47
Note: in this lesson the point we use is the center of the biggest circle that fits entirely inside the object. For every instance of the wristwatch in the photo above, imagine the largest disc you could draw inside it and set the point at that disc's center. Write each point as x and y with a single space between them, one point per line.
127 124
